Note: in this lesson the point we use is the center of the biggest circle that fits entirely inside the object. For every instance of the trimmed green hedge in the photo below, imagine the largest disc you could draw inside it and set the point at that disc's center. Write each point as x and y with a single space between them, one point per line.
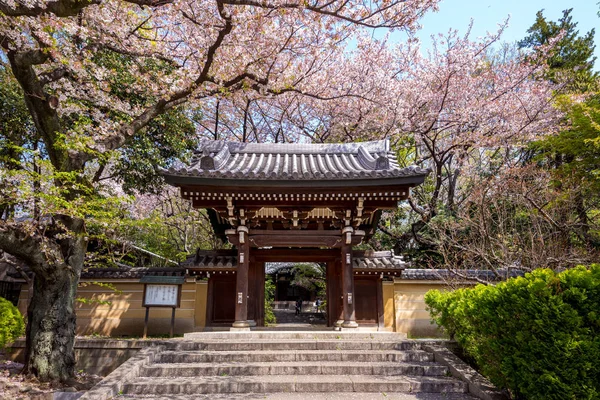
11 323
537 336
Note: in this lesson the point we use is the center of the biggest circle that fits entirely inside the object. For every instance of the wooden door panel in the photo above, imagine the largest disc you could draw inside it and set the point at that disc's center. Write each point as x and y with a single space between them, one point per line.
365 306
223 302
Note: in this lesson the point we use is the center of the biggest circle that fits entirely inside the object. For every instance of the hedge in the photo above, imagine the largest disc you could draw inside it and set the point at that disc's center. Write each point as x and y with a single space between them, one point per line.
537 335
11 323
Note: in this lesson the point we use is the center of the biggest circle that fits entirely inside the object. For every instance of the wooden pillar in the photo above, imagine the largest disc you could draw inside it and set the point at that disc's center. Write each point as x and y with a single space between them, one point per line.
241 299
252 292
348 288
260 294
339 293
380 310
334 293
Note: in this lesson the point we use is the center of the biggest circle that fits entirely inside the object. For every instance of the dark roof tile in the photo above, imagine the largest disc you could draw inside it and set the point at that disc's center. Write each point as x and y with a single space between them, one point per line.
295 161
444 274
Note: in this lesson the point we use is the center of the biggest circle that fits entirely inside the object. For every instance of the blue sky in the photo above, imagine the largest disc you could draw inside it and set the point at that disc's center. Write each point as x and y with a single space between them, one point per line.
487 14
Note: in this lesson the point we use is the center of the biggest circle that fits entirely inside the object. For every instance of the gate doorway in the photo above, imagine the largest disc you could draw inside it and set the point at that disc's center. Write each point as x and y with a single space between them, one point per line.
222 296
298 295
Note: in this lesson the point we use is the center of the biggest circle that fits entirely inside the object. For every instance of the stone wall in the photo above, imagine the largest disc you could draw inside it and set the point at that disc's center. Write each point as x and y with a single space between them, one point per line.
94 356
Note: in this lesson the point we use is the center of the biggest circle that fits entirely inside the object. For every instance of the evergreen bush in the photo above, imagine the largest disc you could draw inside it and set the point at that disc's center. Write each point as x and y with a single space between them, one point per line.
537 336
269 296
11 323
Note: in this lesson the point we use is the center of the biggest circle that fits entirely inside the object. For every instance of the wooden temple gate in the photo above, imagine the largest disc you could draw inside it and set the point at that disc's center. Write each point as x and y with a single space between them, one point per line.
294 203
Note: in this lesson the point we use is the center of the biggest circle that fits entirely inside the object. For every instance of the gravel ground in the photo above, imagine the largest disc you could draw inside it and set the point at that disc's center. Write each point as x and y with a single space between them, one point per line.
14 386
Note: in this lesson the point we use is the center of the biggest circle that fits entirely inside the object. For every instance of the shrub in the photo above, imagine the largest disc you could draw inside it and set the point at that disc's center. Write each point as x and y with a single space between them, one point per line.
11 323
537 336
269 296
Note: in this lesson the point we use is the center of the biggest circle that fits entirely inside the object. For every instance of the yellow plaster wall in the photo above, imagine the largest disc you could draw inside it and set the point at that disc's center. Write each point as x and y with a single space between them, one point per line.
410 314
200 304
119 312
389 321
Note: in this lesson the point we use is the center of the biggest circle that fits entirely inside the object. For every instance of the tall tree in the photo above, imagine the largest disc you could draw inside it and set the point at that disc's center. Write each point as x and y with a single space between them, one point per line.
532 205
572 61
571 155
84 109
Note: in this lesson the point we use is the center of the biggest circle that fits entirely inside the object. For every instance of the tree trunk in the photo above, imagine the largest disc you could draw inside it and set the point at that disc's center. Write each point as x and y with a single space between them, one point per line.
51 328
51 319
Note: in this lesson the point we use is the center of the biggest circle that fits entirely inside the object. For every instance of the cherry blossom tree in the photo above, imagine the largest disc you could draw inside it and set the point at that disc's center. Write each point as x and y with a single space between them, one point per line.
459 109
467 114
95 73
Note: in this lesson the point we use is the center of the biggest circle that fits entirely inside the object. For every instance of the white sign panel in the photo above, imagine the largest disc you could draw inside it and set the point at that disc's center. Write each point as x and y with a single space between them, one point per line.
161 295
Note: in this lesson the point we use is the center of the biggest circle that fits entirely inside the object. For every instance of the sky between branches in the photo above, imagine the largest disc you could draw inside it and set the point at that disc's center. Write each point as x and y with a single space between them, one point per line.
487 14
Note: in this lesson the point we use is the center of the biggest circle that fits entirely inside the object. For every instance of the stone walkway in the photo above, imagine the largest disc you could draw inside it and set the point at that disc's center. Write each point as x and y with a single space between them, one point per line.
287 320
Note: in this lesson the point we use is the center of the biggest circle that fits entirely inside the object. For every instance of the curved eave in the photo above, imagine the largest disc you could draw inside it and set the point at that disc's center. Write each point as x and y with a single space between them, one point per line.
183 180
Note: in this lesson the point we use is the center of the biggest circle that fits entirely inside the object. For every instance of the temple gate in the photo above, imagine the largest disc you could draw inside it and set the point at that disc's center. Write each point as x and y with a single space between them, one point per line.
294 203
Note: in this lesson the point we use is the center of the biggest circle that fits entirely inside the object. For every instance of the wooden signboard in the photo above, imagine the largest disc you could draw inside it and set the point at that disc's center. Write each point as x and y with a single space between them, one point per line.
161 295
161 291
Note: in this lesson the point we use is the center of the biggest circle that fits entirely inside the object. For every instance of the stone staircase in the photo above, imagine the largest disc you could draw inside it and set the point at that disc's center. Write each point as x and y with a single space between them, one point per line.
305 364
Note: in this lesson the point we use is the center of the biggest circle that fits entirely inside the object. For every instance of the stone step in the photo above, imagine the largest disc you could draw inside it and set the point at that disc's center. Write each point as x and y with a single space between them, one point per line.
280 342
291 356
321 344
292 335
308 395
294 368
293 383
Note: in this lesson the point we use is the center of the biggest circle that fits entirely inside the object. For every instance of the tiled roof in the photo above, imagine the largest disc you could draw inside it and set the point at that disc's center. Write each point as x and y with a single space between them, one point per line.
8 273
285 161
130 272
212 260
444 274
362 260
377 260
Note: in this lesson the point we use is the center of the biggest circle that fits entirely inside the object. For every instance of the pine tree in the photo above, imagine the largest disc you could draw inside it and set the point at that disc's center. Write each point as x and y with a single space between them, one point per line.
572 61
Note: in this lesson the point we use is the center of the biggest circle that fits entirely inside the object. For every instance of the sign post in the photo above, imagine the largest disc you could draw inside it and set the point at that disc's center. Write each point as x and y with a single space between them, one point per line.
161 291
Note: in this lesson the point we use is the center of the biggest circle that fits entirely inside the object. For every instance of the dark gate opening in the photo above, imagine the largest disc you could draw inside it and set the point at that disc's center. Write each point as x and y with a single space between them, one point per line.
10 291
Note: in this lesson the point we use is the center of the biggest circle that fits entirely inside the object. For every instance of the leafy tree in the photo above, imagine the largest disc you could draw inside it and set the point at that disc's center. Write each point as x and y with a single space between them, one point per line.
168 225
572 155
571 61
311 277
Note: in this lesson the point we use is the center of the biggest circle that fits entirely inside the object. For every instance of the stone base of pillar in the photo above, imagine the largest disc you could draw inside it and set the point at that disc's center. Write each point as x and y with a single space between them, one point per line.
241 325
232 329
350 324
251 323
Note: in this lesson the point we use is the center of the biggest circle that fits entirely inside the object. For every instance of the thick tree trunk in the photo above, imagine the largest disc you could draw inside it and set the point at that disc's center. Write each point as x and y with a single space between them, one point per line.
51 327
56 258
